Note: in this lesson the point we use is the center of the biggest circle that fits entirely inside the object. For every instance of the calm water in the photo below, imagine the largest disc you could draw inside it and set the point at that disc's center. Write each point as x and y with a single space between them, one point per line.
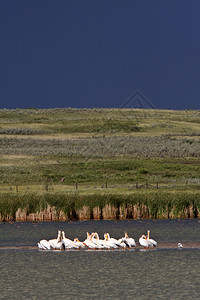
161 273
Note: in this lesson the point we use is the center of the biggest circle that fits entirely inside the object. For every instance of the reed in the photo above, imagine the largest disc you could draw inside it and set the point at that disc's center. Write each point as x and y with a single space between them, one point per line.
149 204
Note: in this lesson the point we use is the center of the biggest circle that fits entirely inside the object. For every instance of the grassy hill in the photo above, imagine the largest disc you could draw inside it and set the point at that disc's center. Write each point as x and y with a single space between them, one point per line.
88 150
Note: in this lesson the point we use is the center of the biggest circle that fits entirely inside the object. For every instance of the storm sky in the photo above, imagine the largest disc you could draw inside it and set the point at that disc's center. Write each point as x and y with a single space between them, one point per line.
95 53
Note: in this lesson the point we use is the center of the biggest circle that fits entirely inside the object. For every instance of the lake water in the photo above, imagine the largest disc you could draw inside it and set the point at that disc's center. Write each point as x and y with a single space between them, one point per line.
163 273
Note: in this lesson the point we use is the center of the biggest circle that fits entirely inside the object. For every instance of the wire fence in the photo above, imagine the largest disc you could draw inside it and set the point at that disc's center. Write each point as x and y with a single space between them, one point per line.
56 188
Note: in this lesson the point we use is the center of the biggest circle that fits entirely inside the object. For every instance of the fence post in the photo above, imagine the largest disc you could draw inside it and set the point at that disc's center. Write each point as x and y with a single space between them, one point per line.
17 188
136 185
106 185
157 185
76 185
147 185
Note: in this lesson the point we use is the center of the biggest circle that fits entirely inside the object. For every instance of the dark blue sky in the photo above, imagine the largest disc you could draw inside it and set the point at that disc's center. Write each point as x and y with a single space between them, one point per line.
96 53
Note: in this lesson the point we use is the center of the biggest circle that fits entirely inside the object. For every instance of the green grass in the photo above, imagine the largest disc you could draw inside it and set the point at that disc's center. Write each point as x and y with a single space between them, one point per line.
95 147
117 170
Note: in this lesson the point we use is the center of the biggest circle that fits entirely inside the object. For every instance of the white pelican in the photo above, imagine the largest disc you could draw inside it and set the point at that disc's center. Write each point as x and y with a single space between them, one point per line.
78 243
111 239
143 241
122 243
67 243
56 244
111 242
105 242
89 241
125 242
99 244
44 245
152 243
48 245
131 241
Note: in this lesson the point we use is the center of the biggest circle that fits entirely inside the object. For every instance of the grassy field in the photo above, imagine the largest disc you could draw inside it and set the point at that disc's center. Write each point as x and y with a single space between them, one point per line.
99 151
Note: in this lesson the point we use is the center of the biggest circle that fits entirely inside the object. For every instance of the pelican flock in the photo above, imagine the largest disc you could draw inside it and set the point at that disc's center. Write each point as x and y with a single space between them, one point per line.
93 242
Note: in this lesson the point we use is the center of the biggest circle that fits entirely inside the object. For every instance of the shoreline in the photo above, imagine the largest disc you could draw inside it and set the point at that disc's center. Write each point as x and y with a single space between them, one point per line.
161 246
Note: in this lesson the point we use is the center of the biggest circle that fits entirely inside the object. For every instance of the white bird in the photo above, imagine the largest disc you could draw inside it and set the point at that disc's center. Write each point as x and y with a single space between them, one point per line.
99 244
180 245
87 240
143 241
44 245
111 242
111 239
56 244
152 243
131 241
78 243
67 243
114 243
122 243
125 242
90 243
51 244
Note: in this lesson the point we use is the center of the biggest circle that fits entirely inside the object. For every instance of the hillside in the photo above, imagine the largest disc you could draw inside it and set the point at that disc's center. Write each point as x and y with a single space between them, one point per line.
62 150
